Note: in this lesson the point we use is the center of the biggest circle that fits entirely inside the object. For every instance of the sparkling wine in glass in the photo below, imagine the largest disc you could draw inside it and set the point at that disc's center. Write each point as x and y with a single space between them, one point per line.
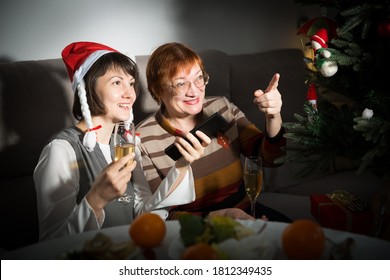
253 180
124 143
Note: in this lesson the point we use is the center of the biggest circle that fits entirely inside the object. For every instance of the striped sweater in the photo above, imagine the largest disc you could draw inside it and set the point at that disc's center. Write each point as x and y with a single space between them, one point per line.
218 174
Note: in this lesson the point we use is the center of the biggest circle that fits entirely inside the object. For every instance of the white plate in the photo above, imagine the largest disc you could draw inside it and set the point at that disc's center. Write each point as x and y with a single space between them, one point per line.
257 246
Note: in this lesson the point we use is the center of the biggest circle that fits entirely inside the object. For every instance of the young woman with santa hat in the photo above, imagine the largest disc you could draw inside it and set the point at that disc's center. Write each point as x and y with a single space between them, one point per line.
76 180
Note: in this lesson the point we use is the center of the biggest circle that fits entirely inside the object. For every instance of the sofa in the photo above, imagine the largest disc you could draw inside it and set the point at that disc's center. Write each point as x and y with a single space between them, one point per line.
36 102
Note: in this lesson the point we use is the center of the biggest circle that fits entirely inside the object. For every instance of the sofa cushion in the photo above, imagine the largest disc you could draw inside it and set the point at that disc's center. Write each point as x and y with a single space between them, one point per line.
35 103
216 64
145 104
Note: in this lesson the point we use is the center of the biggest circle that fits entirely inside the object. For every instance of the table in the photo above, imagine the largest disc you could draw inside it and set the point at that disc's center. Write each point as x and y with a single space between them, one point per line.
364 248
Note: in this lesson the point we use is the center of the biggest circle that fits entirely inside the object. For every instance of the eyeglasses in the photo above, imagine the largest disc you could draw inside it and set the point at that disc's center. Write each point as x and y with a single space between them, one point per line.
184 87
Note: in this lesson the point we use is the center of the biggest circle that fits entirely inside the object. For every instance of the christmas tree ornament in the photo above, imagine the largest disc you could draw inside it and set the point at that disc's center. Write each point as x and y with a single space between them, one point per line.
319 39
323 63
367 114
311 96
311 27
384 28
319 42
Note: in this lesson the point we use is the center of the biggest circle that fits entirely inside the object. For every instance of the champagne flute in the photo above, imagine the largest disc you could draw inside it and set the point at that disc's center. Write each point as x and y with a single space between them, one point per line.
253 180
124 143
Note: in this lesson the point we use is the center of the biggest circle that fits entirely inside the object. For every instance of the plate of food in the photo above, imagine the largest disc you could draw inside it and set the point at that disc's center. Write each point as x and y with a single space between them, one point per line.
101 247
228 238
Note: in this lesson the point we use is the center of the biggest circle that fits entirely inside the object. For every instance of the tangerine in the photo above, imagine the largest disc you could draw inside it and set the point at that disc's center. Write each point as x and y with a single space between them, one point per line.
147 230
303 240
199 251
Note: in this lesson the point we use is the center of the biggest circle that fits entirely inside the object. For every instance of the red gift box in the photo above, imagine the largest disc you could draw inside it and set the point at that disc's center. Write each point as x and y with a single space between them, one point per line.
333 215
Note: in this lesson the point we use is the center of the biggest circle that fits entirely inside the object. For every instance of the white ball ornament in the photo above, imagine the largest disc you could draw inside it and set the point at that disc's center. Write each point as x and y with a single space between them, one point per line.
329 68
367 114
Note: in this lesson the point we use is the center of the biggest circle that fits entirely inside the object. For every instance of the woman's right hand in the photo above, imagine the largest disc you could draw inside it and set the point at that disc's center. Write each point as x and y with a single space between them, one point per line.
192 149
111 183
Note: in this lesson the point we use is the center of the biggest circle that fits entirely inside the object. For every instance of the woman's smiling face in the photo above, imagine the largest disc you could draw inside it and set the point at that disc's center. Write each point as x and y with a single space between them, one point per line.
117 92
190 102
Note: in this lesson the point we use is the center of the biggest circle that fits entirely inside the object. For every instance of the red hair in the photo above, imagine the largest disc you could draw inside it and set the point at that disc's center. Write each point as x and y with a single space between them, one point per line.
165 62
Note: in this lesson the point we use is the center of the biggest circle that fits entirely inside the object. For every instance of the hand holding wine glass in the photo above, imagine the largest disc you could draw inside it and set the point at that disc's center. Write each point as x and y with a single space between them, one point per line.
124 143
253 179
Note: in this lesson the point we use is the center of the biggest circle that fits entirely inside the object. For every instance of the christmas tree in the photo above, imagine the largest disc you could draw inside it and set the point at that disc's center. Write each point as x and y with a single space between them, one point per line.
347 115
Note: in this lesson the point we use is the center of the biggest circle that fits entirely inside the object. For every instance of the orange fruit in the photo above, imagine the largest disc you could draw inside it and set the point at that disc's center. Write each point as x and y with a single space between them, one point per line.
199 251
147 230
303 240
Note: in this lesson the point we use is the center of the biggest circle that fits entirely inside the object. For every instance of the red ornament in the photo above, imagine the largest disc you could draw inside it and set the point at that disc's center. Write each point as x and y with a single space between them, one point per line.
311 96
310 27
384 29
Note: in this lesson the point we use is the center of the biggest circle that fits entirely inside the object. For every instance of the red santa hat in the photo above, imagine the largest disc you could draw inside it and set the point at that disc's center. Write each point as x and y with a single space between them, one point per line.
321 37
78 58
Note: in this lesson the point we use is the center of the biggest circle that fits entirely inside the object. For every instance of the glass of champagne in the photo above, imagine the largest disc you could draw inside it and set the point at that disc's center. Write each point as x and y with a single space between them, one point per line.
253 180
124 143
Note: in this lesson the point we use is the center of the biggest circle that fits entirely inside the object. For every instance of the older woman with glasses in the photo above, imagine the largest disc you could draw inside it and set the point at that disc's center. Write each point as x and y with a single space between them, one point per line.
177 81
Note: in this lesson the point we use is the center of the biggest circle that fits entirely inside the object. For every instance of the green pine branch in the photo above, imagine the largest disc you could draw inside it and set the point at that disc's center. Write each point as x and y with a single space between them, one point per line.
375 131
360 15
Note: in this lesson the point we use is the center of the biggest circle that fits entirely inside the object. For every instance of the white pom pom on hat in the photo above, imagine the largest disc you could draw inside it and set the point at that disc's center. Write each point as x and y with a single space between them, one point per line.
79 58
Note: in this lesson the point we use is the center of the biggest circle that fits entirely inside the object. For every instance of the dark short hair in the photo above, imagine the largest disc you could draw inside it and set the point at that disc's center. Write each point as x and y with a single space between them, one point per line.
106 62
164 63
